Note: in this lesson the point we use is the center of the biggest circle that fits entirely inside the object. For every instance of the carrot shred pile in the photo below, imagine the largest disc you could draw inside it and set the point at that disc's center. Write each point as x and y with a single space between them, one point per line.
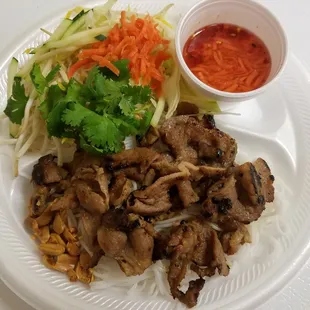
137 40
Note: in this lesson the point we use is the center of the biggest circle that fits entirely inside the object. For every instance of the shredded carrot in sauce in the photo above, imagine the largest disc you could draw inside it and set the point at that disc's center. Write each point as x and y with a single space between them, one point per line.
135 39
228 58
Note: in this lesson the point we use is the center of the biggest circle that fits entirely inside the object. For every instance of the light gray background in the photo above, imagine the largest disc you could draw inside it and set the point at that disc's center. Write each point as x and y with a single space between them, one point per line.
18 16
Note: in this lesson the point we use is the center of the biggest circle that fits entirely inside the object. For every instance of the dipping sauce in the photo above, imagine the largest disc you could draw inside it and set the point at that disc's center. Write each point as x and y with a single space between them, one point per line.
228 58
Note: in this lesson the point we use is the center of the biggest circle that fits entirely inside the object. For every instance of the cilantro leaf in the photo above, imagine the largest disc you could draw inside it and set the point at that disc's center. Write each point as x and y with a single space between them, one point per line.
89 148
122 66
145 123
102 132
75 114
139 94
101 37
74 92
108 88
126 105
54 123
38 79
127 125
50 77
16 104
54 95
88 89
106 106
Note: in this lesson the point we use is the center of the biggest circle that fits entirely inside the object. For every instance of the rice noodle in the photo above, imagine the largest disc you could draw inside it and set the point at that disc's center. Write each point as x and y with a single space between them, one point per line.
35 131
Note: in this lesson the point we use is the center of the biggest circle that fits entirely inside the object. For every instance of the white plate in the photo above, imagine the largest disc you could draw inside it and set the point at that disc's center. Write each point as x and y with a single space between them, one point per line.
275 126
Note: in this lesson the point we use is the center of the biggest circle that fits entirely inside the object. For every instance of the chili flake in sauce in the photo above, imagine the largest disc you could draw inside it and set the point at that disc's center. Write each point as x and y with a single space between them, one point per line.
228 58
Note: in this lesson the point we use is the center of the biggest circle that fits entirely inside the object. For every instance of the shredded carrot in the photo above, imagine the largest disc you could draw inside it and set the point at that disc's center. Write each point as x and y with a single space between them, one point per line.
135 39
103 62
77 66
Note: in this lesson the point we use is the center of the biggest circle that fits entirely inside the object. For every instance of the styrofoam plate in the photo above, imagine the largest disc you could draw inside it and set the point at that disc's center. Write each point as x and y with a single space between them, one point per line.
275 126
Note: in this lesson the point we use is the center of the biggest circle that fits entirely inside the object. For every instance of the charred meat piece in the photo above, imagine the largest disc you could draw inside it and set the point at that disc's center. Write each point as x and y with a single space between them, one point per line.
209 252
231 241
174 132
207 172
59 188
113 242
67 201
88 226
120 190
46 171
187 193
89 199
150 137
154 199
216 148
195 243
267 179
189 140
132 173
94 196
131 248
224 207
249 184
85 174
83 160
149 178
38 200
181 248
160 245
241 197
186 108
208 121
137 157
221 196
191 296
133 163
164 166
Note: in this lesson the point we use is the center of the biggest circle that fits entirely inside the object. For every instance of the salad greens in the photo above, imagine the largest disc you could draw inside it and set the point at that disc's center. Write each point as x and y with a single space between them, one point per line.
99 114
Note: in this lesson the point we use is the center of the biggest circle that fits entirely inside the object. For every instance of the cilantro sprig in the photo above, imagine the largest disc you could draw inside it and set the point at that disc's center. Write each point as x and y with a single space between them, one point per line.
101 113
39 81
15 108
16 104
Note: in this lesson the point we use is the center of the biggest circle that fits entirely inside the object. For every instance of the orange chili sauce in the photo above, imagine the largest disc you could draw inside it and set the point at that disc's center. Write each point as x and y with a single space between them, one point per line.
228 58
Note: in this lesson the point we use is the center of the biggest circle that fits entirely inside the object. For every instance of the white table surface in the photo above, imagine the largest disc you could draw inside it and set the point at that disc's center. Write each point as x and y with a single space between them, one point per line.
295 17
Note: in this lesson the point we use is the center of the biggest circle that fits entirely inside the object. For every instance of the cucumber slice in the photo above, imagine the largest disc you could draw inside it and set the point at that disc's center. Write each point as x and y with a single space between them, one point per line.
12 70
80 38
77 23
61 29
